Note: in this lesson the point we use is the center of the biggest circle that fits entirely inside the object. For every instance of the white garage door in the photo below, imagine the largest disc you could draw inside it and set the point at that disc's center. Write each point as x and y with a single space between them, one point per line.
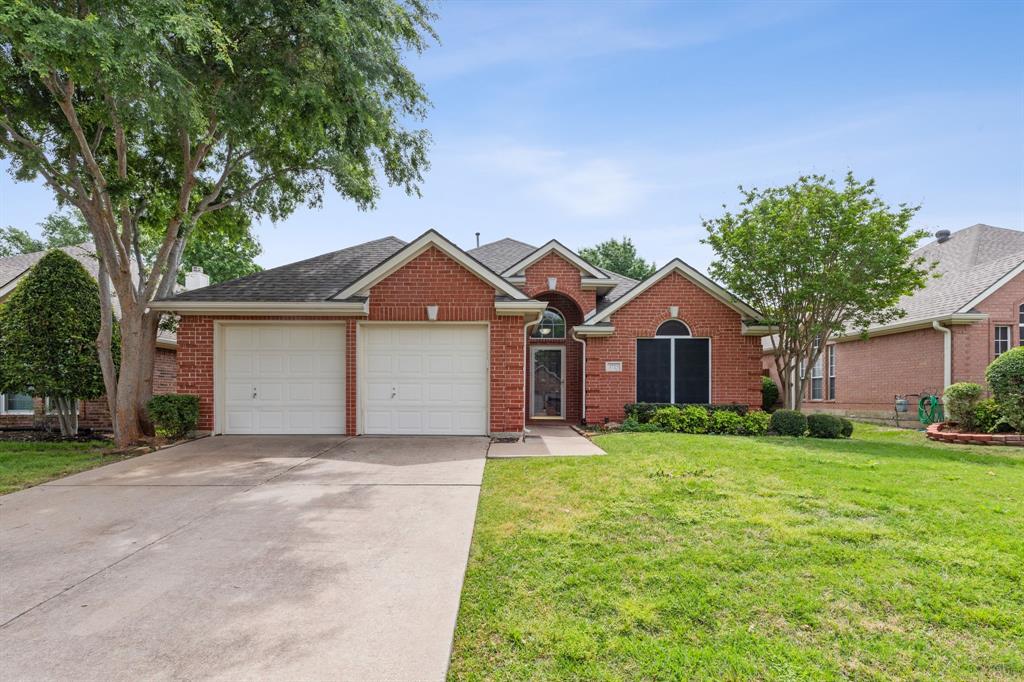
424 379
284 378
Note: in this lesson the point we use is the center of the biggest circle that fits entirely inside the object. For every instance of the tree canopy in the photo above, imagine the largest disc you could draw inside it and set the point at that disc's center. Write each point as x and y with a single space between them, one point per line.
619 257
816 260
48 329
162 112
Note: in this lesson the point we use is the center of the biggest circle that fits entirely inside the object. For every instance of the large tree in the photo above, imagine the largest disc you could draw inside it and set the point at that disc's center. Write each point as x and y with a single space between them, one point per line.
618 256
48 329
181 108
816 260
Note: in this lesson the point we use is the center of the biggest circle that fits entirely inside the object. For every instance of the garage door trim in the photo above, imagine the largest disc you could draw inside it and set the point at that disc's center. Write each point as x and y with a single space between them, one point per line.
361 363
219 364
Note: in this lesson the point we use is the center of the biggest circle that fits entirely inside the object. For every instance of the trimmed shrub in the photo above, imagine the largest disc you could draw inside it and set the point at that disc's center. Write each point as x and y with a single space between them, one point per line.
824 426
960 399
668 418
847 427
769 394
788 423
1005 376
630 424
989 418
174 415
726 422
756 423
644 412
695 419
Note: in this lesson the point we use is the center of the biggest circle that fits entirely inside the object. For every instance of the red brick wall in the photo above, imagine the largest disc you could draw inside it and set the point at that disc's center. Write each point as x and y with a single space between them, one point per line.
735 359
974 345
429 279
568 284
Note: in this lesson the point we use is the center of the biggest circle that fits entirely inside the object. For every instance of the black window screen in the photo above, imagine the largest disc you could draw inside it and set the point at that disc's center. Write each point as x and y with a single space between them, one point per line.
653 368
693 369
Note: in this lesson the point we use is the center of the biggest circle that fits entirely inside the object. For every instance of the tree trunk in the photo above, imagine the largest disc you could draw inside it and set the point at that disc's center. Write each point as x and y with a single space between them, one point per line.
104 344
65 408
126 408
150 328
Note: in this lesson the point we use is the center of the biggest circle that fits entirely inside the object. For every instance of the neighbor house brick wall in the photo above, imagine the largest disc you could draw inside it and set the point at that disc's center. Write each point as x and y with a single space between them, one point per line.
870 373
94 414
735 359
432 278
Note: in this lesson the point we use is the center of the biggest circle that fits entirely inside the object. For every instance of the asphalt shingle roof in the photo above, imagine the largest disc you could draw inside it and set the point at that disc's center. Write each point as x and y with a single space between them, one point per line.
969 262
499 256
311 280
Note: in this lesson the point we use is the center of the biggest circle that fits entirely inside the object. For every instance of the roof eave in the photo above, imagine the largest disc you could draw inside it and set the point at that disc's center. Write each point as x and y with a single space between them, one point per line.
338 308
913 325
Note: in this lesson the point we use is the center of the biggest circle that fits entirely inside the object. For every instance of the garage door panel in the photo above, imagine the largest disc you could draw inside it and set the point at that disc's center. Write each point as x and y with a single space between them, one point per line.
424 379
297 373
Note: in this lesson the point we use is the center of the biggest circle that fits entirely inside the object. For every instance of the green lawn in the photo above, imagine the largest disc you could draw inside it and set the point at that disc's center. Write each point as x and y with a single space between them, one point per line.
681 557
23 465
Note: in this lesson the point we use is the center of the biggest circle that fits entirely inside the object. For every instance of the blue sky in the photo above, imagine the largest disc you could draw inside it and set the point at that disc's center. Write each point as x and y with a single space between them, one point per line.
584 121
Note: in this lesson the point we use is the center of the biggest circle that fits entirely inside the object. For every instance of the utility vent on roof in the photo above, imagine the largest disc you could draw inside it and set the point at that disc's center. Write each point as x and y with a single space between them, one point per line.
942 236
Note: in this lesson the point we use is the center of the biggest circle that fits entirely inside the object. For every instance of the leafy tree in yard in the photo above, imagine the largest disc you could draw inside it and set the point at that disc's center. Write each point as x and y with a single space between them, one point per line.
48 329
619 257
161 112
816 260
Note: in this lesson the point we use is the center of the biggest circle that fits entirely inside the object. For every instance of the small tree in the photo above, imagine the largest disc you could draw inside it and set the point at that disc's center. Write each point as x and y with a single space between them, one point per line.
816 260
48 331
619 257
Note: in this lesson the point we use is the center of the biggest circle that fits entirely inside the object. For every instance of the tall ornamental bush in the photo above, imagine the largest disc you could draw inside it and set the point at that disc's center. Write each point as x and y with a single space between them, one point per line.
48 330
1005 376
769 394
960 400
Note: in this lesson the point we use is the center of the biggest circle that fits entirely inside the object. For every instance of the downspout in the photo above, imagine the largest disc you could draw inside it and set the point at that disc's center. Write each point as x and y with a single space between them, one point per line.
947 352
526 365
583 371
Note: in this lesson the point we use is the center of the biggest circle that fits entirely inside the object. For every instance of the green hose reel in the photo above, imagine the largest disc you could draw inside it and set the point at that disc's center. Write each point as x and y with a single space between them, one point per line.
929 409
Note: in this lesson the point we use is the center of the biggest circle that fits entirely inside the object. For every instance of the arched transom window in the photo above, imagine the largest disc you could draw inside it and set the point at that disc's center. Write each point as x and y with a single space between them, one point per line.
551 326
673 328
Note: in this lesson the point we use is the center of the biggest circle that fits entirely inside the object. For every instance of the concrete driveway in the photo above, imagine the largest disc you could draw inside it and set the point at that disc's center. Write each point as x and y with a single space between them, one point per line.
297 558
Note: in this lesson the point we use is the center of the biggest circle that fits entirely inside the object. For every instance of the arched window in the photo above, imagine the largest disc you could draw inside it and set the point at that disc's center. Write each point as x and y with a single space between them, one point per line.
673 328
551 326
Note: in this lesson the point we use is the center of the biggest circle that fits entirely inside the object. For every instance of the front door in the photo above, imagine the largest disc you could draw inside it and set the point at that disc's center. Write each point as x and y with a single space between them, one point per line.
547 394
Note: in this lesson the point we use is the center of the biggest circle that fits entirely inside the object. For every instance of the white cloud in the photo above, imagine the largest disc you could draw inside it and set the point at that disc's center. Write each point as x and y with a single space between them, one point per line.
579 186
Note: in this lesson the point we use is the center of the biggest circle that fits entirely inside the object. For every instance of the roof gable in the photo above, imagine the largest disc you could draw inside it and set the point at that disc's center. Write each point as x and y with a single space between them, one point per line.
687 271
415 248
500 254
554 246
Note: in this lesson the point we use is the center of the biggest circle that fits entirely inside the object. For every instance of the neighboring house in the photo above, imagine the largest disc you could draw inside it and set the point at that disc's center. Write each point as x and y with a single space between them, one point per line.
952 330
426 338
18 410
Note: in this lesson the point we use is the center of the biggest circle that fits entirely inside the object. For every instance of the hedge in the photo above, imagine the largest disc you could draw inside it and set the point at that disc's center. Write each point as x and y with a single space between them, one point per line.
175 415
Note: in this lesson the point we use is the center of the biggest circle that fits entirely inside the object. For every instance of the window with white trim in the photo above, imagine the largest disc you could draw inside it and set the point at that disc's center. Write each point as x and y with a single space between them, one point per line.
1020 325
1002 337
816 375
16 403
832 372
551 326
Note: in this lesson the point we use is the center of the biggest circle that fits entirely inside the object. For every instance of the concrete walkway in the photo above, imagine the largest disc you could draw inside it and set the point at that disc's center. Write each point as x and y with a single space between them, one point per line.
555 440
297 558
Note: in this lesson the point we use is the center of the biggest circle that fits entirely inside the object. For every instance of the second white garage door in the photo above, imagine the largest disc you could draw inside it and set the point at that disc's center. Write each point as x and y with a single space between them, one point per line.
424 379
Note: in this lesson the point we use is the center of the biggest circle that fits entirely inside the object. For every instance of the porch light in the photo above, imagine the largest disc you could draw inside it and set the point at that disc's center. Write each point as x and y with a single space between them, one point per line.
552 283
673 311
432 313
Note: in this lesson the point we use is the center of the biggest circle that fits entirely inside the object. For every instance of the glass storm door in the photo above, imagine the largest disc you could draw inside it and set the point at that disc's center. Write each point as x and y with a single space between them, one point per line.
548 390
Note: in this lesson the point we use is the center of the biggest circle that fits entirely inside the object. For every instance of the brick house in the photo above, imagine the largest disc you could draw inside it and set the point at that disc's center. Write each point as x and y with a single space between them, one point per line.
952 330
21 411
389 337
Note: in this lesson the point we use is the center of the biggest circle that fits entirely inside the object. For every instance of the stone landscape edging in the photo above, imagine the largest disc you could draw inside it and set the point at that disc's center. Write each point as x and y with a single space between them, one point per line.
937 432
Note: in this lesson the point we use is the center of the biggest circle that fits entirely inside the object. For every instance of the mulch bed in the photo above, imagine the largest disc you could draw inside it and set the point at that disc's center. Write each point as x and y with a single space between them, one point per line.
33 435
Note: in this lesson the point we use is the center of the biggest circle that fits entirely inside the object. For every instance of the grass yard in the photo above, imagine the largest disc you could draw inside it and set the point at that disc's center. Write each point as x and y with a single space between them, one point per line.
682 557
25 464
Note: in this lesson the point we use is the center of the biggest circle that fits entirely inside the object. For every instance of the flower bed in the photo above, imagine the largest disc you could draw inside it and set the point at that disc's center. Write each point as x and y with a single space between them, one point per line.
939 432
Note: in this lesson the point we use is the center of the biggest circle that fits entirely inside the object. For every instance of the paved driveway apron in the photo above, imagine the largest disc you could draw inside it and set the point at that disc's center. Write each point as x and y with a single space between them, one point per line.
298 558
